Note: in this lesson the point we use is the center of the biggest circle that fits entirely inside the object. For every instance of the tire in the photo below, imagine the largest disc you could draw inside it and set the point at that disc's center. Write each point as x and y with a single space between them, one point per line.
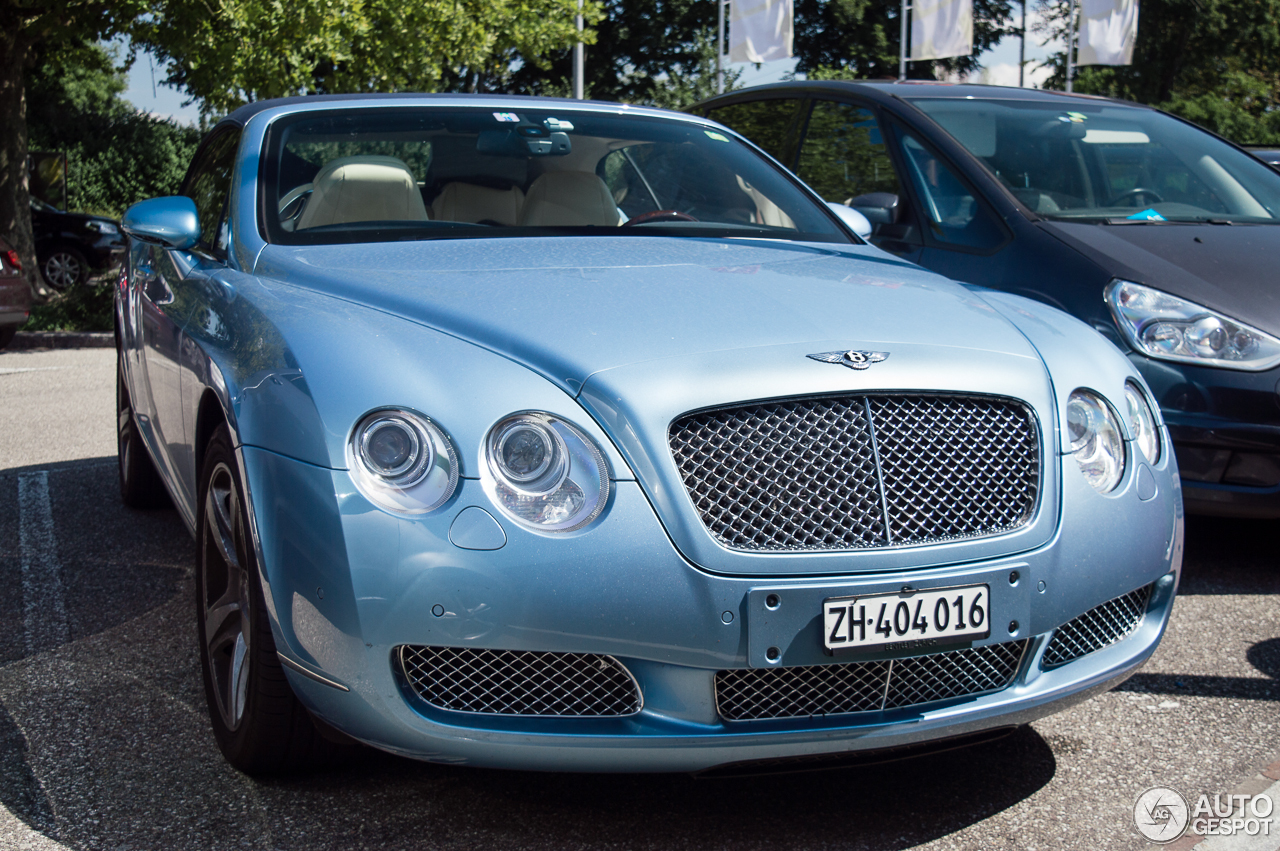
7 334
140 484
64 268
260 725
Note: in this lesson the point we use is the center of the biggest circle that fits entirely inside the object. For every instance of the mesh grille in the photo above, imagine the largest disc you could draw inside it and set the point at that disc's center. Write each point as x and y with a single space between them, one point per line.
747 694
803 475
1097 628
507 682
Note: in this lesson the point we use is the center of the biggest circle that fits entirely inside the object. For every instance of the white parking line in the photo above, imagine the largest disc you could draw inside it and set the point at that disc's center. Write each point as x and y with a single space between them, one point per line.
44 613
16 369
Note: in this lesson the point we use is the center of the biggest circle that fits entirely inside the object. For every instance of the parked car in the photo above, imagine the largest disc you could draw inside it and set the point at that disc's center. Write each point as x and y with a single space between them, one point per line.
15 295
1160 235
532 433
73 246
1269 154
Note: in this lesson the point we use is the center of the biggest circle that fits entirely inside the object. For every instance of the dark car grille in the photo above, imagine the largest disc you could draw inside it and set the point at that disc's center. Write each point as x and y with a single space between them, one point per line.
757 693
507 682
1097 628
859 471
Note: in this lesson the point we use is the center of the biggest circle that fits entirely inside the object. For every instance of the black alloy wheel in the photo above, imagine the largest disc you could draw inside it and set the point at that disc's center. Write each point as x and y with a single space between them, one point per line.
64 268
259 724
140 484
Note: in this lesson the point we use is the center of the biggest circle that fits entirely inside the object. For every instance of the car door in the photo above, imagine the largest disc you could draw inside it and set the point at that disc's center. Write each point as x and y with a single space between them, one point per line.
171 288
844 156
963 237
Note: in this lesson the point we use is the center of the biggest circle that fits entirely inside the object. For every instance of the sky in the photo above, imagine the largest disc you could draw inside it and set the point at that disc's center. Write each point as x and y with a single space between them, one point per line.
1000 67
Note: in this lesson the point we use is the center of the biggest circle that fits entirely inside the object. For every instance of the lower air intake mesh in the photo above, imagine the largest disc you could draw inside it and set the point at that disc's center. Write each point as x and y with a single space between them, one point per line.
508 682
748 694
1097 628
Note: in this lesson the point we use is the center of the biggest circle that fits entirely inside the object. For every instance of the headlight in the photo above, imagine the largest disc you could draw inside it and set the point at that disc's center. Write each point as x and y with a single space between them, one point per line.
1170 328
101 227
1142 422
545 474
401 461
1095 439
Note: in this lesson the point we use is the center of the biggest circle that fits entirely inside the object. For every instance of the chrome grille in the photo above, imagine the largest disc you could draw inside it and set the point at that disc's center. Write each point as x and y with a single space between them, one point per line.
1097 628
747 694
859 471
508 682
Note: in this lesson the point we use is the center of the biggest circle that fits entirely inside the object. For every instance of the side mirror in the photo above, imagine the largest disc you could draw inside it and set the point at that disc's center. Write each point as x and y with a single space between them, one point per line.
880 208
170 222
855 221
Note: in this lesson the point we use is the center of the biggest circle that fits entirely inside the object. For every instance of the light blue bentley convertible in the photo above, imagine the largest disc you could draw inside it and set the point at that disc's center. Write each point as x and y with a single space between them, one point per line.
541 434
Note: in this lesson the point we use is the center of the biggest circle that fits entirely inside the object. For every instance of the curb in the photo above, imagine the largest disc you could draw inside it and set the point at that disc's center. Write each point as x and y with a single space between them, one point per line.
28 340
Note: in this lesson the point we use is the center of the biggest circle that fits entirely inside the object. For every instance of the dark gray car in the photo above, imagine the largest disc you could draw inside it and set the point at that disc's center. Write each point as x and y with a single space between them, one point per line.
1158 234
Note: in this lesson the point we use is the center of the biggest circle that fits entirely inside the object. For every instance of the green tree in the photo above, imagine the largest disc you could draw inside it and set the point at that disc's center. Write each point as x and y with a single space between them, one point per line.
30 29
116 155
237 51
1214 62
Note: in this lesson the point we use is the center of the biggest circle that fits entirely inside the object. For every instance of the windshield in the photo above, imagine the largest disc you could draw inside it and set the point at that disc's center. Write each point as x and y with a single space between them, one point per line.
1109 162
365 175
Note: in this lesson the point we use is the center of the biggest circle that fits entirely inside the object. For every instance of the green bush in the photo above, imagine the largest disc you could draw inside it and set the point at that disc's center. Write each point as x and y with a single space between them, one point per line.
84 307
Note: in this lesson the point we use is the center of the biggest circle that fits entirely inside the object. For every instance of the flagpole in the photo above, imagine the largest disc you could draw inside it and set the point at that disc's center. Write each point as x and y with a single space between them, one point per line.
578 60
902 43
1071 38
1022 46
720 48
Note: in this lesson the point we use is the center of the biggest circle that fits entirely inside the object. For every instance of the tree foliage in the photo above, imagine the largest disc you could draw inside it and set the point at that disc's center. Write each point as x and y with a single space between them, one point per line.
237 51
1214 62
116 156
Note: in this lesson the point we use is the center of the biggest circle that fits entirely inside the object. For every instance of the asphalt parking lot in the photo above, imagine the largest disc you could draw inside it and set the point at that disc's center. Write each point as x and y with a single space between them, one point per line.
105 741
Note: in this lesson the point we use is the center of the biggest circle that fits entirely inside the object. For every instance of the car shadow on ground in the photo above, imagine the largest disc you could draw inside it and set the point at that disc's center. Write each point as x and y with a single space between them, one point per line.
104 741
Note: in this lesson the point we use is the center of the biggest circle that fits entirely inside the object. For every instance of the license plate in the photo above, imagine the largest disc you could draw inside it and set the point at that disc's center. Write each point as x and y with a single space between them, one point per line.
897 621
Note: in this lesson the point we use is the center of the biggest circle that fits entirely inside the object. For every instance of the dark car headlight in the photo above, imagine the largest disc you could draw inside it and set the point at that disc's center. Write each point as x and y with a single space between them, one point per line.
1170 328
101 227
544 473
401 461
1095 439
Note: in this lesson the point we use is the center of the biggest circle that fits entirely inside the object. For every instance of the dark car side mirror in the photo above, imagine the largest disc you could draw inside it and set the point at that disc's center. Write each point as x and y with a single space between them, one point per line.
170 222
880 208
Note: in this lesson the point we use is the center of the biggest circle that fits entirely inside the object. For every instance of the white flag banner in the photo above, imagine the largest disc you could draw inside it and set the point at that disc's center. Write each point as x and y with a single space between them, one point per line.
1108 29
941 28
760 30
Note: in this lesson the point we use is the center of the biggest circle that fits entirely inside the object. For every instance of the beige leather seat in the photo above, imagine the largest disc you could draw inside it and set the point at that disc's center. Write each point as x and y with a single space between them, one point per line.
363 189
466 202
569 198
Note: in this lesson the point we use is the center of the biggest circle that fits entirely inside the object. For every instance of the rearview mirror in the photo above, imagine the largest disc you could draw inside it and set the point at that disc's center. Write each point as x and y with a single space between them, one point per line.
856 221
880 208
170 222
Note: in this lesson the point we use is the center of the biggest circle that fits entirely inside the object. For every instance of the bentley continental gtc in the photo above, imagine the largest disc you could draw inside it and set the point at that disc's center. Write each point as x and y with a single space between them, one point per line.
551 435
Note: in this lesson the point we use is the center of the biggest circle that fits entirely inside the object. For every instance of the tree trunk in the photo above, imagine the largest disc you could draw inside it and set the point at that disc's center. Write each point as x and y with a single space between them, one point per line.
15 204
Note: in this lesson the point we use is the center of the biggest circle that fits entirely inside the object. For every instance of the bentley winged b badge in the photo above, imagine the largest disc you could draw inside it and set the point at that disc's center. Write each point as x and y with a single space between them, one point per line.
852 359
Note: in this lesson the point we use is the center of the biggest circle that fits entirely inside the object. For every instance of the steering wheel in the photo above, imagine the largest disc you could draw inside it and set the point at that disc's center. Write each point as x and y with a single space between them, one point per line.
1136 192
659 216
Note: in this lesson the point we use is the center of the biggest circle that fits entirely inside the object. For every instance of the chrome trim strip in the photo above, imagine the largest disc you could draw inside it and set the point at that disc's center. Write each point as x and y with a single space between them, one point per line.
310 674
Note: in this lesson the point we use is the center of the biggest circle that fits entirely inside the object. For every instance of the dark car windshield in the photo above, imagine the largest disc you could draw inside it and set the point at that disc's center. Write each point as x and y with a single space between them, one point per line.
359 175
1084 160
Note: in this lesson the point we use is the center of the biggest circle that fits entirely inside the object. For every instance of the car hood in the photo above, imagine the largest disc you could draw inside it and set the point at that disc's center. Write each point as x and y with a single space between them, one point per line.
1229 268
571 307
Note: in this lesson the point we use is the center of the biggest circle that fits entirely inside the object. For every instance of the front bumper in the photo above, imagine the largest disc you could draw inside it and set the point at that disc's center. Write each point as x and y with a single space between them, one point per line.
347 585
1225 427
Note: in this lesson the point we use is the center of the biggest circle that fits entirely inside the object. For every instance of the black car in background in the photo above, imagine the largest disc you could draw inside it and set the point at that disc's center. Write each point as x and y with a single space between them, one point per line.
73 246
1163 237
